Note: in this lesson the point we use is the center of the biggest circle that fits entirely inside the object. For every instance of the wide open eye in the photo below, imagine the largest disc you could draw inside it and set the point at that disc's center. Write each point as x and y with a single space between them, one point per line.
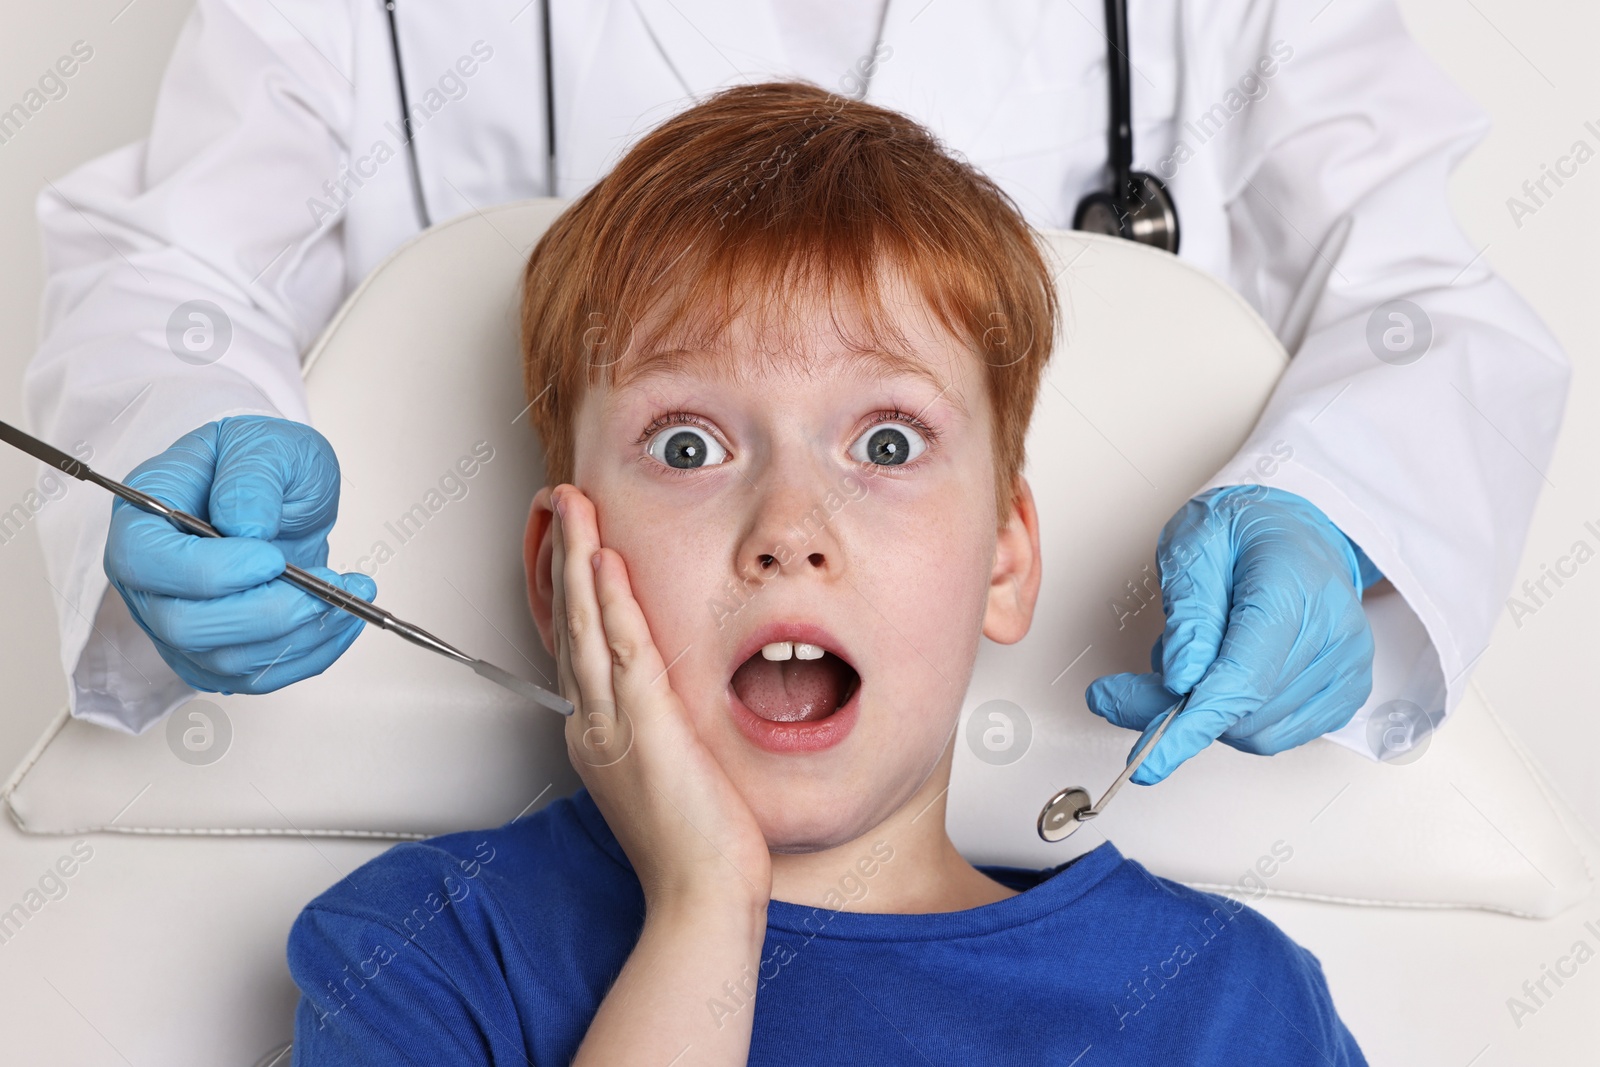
686 447
888 444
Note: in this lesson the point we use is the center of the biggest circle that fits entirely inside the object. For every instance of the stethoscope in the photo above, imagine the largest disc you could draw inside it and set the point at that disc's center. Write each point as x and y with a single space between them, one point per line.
1137 205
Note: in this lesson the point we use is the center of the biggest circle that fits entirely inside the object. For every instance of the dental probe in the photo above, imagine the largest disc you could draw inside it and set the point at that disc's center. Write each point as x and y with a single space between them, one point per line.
1070 808
309 582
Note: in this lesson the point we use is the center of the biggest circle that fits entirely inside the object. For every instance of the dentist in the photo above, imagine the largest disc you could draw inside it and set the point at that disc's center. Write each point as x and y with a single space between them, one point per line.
296 143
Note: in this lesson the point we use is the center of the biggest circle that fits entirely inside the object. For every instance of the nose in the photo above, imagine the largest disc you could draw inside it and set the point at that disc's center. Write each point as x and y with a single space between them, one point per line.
792 533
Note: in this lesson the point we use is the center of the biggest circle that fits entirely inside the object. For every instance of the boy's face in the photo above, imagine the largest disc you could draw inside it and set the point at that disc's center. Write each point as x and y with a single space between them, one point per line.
790 504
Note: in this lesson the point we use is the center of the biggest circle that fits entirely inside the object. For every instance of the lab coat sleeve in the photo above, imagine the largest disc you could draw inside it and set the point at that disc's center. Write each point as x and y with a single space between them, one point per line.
211 207
1433 466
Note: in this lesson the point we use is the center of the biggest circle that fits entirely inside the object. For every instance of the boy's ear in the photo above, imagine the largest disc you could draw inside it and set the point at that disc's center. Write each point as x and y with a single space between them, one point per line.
538 546
1014 583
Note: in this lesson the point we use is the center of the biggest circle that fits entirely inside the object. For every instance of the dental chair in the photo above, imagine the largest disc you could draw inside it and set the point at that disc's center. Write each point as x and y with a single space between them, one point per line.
157 876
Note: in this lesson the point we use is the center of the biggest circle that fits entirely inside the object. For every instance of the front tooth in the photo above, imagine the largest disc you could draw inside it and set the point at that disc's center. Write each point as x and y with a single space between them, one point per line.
781 650
807 651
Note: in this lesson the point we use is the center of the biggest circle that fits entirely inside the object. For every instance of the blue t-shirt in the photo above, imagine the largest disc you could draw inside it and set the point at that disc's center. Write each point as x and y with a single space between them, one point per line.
497 946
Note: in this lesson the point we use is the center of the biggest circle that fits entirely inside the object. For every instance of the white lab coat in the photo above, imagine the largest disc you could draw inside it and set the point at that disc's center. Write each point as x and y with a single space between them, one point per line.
1433 468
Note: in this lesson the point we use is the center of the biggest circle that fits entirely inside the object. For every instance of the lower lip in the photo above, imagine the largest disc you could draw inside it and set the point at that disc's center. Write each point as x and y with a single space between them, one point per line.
793 737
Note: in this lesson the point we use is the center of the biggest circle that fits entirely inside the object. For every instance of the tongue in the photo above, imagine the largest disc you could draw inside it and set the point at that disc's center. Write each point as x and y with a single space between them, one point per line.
792 690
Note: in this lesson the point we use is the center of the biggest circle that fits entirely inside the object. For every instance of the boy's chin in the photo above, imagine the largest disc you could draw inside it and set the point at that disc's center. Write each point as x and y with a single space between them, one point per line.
804 843
797 823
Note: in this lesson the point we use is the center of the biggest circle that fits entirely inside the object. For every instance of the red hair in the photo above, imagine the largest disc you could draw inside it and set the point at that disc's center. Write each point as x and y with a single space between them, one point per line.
774 188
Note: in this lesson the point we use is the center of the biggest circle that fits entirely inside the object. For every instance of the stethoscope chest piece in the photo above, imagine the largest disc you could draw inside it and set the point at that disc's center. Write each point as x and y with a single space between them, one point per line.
1147 215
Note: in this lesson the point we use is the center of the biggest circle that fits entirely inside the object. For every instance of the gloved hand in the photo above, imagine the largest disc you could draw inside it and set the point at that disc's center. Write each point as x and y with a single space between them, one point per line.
210 604
1263 601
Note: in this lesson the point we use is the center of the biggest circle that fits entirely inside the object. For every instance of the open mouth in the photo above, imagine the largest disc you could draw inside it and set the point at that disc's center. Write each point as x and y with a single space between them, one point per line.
794 682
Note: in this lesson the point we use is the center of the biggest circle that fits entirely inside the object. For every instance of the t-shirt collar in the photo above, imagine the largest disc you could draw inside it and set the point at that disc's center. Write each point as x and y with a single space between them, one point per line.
1041 893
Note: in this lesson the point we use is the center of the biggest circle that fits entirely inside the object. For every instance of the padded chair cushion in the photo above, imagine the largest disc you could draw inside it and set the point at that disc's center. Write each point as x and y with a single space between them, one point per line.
417 383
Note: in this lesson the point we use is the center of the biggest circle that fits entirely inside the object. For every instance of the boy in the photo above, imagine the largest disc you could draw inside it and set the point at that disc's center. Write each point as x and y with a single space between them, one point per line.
782 361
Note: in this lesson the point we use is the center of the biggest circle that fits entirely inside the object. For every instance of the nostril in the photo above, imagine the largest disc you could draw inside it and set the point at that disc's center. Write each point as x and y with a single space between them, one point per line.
766 561
815 559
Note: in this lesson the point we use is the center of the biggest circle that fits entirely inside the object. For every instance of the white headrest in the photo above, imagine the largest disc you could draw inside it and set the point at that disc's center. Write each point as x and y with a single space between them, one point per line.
1161 373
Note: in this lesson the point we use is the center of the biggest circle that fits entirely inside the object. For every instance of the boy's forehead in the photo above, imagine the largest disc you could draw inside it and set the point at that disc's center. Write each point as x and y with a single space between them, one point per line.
801 327
942 368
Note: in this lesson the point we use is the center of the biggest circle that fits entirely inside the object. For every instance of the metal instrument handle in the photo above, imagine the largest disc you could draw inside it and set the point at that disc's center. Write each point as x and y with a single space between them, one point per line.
1135 763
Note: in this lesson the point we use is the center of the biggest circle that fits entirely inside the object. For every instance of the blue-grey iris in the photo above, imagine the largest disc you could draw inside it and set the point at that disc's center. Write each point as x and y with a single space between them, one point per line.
888 447
685 450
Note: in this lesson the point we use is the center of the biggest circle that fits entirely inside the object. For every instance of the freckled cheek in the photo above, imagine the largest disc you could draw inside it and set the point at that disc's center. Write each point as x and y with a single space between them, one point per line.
676 582
666 582
927 574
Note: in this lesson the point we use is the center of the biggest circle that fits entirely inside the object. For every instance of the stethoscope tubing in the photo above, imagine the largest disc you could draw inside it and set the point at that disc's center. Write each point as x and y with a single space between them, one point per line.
1119 146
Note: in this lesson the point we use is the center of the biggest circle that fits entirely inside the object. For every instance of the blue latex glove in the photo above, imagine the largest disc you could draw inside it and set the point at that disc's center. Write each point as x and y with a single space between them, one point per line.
1263 601
210 604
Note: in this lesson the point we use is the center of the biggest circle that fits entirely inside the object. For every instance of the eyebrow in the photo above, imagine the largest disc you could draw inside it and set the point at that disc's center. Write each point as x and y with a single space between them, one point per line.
666 362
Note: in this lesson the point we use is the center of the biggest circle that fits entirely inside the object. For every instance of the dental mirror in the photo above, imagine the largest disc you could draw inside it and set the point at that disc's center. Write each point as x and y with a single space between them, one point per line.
1070 808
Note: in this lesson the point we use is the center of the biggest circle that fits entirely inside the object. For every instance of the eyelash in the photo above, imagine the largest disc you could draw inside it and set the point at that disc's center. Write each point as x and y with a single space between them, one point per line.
684 418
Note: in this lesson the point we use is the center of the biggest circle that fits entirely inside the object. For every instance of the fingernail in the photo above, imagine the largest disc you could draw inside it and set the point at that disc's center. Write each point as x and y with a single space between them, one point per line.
561 505
594 560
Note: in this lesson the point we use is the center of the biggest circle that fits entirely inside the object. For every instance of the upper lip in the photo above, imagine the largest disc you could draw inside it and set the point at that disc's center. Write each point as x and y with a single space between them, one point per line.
804 632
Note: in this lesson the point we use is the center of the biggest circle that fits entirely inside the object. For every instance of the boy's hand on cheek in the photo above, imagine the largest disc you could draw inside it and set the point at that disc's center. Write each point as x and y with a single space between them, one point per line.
687 831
